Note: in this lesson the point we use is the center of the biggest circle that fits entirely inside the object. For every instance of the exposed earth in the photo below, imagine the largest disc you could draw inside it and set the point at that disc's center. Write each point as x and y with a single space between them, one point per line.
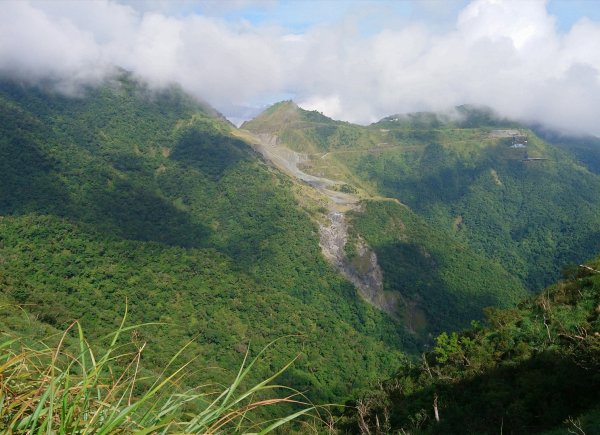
362 270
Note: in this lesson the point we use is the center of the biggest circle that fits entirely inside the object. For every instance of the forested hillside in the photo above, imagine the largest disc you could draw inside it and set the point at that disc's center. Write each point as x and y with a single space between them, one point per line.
585 149
531 369
444 284
121 193
530 207
533 216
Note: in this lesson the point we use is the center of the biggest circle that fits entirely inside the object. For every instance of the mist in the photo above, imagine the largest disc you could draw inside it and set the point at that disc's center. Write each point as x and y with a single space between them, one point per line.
508 55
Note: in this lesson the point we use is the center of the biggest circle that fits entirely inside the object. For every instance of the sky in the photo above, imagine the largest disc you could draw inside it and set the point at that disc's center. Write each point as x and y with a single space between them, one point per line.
356 60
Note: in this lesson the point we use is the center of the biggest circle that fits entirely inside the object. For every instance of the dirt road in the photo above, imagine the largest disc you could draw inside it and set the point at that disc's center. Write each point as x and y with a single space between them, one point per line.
287 161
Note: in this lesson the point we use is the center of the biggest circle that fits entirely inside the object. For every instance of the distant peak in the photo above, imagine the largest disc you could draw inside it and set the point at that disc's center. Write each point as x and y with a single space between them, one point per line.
286 105
283 114
275 117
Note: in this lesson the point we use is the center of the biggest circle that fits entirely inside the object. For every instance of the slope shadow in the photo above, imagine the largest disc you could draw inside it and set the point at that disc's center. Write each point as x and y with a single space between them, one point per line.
535 395
210 152
52 162
136 213
30 182
417 274
27 179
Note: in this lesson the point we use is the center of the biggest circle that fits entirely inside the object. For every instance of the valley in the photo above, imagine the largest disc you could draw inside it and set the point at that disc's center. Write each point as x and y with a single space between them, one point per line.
346 249
330 217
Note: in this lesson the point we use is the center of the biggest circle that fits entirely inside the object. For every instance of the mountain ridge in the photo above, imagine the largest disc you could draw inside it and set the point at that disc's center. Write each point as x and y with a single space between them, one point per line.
443 171
353 255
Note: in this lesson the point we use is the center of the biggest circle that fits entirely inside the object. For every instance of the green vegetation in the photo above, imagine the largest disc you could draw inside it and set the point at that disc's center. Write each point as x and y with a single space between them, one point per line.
531 217
123 192
585 149
69 388
530 369
444 280
126 193
479 222
461 174
444 284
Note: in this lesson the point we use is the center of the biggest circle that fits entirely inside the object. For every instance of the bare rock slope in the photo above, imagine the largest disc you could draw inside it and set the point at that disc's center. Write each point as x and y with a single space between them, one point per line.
368 278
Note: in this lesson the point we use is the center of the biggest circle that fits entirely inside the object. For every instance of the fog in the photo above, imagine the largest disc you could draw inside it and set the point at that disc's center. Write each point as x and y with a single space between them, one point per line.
508 55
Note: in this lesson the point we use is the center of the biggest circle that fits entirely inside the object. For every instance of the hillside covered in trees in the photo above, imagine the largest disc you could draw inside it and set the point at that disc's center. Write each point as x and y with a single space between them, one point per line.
121 195
534 368
530 208
124 194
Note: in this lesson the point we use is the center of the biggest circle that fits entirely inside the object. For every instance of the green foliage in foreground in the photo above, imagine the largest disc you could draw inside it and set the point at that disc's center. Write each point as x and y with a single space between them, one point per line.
70 388
530 369
58 272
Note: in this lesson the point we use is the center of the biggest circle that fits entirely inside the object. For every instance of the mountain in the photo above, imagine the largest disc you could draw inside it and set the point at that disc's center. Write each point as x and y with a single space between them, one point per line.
529 207
584 149
534 368
347 247
444 284
126 195
436 282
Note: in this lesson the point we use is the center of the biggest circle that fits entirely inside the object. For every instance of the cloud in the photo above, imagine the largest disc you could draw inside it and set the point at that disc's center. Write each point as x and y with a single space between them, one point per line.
508 55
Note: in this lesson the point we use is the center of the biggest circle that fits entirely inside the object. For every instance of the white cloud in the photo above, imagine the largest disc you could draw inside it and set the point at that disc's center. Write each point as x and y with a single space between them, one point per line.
324 104
523 22
505 54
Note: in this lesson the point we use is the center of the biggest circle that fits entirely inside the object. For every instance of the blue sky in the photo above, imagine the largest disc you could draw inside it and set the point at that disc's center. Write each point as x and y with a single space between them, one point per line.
300 15
568 12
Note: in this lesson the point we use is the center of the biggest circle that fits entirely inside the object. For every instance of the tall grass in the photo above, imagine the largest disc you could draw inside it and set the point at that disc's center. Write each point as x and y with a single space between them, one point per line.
69 389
